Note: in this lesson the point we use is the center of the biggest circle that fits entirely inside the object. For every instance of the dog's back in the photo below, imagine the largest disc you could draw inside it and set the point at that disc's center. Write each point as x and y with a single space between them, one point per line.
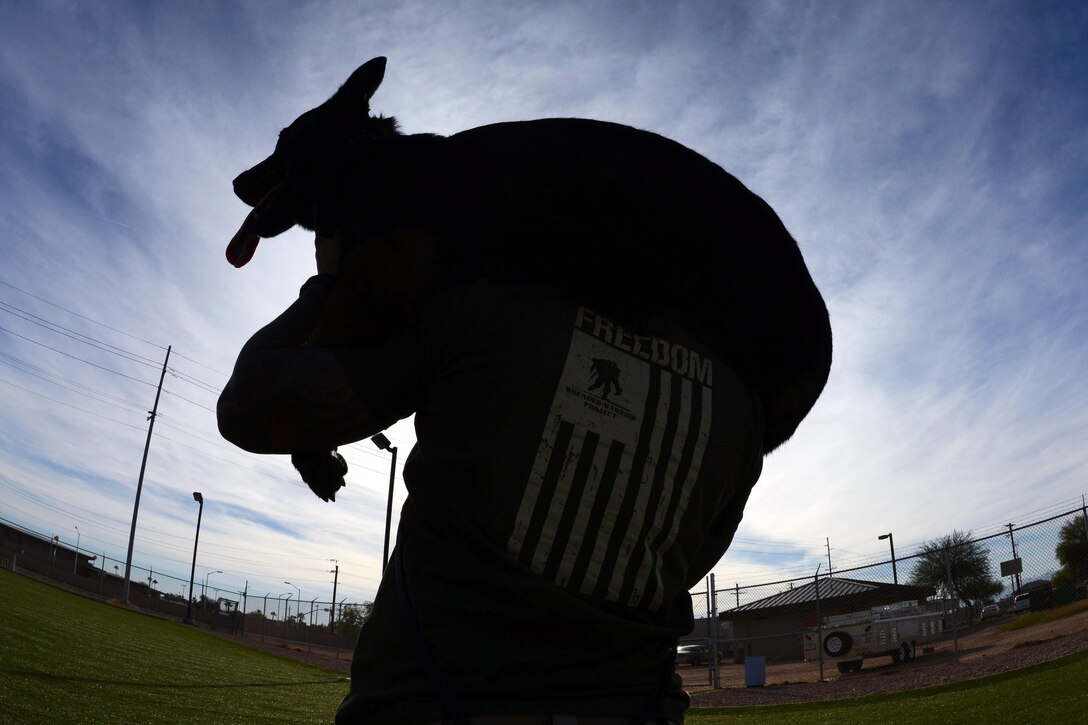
626 220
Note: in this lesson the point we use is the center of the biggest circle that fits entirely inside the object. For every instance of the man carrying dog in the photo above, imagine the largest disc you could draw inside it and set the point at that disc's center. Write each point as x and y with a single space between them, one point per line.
599 332
553 527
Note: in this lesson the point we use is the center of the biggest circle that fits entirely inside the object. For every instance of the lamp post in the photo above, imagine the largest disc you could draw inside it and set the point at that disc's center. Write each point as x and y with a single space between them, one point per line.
286 613
204 604
383 443
299 596
891 543
76 561
192 572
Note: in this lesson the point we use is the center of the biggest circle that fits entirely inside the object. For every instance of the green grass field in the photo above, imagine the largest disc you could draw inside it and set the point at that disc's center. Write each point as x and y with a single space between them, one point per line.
67 659
1052 692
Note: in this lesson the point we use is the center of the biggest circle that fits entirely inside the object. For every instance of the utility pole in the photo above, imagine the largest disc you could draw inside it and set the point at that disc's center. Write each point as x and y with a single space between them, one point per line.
332 608
1013 539
828 540
151 414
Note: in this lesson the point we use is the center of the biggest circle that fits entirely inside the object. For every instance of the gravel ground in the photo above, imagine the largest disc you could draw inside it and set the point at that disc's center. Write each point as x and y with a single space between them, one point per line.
984 650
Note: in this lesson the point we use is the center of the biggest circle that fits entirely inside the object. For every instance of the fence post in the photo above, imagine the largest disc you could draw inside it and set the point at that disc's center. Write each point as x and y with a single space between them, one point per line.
1084 516
819 622
715 650
948 584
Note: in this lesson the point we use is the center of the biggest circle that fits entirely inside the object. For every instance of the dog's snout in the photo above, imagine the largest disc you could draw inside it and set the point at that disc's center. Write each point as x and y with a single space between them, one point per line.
253 184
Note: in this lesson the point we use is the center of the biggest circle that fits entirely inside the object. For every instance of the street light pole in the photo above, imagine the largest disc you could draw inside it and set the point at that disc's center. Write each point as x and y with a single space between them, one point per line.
208 578
192 572
286 613
383 443
891 543
299 596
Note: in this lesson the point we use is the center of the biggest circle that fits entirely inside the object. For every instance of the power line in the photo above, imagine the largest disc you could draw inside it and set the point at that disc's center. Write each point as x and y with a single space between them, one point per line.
102 345
206 367
41 373
84 317
76 357
69 405
73 335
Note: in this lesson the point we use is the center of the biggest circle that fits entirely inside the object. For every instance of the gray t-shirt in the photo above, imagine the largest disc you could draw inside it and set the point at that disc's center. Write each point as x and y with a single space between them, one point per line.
573 478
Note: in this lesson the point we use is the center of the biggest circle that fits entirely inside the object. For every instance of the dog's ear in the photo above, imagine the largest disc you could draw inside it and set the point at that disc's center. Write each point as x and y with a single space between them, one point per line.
362 84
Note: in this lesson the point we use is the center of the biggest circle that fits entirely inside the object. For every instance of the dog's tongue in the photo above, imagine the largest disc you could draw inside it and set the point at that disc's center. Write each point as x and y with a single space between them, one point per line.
244 243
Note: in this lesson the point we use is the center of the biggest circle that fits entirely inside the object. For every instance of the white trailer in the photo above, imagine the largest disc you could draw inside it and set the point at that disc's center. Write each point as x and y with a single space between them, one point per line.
895 630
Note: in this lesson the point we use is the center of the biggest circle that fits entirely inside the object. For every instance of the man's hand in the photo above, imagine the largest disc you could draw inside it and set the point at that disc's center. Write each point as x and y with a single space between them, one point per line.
327 250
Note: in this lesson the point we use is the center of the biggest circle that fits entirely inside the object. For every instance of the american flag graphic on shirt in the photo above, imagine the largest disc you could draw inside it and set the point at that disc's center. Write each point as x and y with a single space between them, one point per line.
617 461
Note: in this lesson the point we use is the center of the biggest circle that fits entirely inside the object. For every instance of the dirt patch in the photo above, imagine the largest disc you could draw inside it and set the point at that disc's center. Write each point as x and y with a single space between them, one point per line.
983 650
319 656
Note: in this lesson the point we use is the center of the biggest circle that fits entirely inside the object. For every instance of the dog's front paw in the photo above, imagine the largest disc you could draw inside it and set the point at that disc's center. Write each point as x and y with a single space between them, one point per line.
323 472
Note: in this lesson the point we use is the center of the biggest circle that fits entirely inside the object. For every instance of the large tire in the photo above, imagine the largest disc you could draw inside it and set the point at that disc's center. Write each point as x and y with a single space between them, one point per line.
913 649
901 655
837 644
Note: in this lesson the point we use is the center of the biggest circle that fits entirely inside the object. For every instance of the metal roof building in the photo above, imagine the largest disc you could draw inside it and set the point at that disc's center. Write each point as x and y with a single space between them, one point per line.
774 626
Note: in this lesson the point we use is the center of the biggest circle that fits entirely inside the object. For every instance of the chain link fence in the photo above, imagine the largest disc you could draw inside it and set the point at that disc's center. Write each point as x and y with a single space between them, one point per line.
313 625
889 611
898 609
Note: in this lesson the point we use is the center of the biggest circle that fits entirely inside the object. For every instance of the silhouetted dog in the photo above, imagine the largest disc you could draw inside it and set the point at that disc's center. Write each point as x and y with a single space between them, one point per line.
626 220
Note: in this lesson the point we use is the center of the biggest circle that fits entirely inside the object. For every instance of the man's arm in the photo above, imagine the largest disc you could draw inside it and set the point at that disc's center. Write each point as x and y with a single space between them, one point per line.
283 397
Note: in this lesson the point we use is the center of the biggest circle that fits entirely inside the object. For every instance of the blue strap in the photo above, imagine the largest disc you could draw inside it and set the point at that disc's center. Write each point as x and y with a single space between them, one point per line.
424 652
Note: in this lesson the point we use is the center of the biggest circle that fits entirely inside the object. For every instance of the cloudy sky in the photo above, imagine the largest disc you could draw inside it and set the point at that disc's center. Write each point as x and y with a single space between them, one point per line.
930 158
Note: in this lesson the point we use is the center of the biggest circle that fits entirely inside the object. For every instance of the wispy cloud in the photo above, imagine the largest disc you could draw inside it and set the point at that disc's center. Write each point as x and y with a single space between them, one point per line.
931 165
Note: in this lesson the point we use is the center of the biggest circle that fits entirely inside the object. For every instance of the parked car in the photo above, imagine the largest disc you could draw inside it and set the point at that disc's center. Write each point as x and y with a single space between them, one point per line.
694 654
990 610
1021 603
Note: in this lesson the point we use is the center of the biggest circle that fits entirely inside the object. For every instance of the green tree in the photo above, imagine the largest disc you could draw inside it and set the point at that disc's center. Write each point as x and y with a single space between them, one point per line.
1072 552
971 580
206 603
353 617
